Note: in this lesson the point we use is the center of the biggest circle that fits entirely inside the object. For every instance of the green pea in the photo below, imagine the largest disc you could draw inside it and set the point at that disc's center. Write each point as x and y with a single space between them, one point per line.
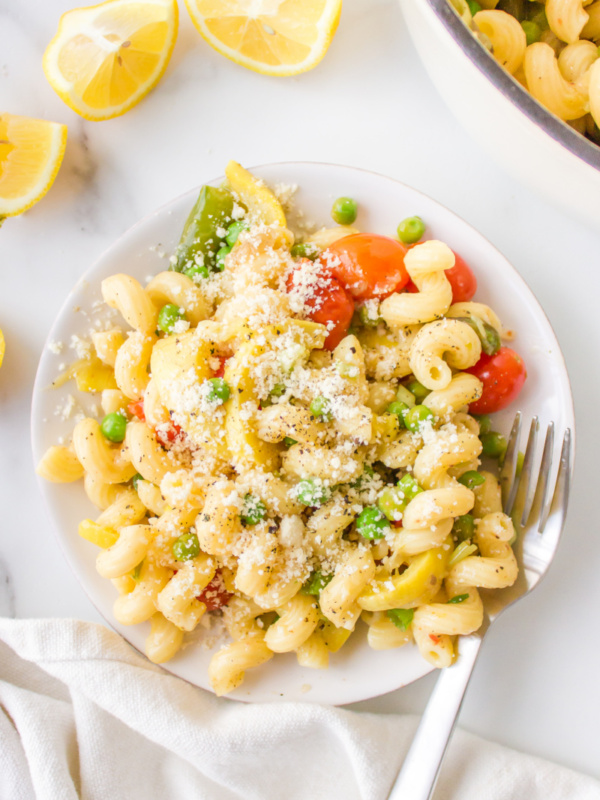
485 423
288 441
474 7
471 479
410 487
304 250
411 229
219 391
220 258
113 427
320 407
197 272
416 417
392 502
494 444
459 598
316 583
401 617
400 409
532 31
136 479
168 316
234 230
312 492
254 510
344 211
372 523
186 547
464 527
417 389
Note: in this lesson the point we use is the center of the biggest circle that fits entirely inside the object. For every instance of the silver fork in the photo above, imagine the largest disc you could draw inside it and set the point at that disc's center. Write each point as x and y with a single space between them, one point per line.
542 519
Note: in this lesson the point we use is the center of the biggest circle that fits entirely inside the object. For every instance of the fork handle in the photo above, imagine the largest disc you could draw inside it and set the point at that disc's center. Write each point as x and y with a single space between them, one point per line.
421 766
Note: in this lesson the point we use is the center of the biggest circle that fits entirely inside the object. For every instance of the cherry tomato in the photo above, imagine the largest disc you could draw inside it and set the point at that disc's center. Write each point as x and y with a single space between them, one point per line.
221 370
462 281
136 409
367 265
329 303
166 435
215 595
503 376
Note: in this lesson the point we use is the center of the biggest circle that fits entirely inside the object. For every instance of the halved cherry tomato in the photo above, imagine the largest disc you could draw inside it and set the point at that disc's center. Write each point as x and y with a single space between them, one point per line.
215 595
137 409
221 370
503 376
462 281
367 265
170 434
329 303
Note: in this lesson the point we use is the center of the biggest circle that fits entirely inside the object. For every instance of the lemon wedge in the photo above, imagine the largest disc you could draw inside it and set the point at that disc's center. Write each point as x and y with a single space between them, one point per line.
31 151
260 201
2 347
105 58
275 37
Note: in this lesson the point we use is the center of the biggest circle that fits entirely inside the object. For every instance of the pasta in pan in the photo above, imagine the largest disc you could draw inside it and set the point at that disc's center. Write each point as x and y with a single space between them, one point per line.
550 47
291 440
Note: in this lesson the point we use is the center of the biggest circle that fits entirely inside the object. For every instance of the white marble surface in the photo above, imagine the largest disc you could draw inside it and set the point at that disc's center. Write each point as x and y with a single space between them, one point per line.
371 105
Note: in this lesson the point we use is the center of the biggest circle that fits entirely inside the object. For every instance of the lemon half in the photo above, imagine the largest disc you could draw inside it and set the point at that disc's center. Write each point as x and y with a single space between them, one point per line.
31 152
275 37
105 58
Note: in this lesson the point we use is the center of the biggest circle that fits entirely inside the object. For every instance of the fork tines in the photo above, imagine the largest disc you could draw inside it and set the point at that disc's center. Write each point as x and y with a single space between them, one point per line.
533 489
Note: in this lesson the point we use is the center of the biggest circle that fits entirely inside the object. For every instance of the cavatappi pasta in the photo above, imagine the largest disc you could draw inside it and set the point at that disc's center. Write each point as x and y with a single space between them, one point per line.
550 47
287 444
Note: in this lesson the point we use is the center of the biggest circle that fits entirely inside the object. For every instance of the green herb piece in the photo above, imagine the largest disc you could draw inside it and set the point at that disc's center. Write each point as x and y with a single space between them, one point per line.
471 479
401 617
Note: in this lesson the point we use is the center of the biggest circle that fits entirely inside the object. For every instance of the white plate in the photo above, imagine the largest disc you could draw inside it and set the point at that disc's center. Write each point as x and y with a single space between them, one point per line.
356 672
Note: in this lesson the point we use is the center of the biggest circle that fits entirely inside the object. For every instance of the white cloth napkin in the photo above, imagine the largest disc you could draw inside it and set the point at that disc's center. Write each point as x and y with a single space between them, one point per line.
83 715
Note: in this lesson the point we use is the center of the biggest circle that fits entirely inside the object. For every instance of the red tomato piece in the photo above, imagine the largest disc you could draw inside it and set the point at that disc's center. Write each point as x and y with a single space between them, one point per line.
166 435
367 265
462 280
221 371
503 376
136 409
327 302
435 639
215 595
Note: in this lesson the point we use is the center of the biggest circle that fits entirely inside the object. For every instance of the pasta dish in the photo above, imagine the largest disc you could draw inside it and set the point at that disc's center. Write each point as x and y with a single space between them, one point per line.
291 438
